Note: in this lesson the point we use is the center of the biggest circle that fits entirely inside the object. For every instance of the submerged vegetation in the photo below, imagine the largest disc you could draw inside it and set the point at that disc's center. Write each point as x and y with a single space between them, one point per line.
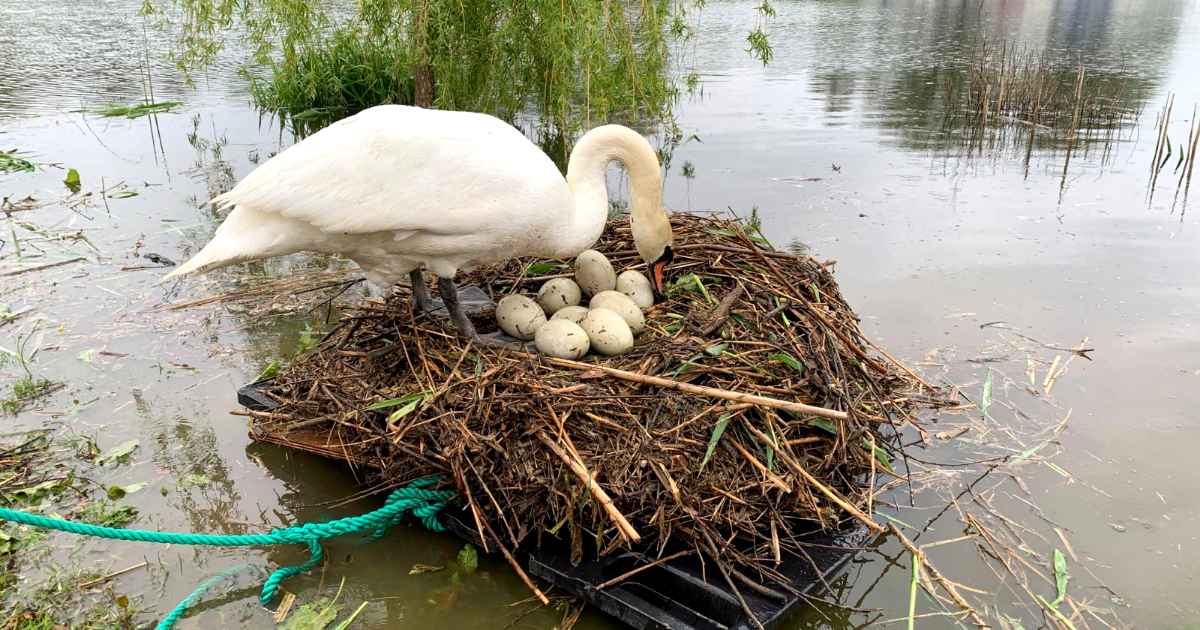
10 162
138 110
27 387
65 592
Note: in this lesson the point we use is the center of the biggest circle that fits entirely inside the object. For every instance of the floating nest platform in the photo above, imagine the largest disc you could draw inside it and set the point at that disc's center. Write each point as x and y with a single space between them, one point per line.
751 413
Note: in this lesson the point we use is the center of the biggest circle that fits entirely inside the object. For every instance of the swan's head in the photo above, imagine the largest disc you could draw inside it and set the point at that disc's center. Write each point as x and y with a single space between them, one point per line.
653 238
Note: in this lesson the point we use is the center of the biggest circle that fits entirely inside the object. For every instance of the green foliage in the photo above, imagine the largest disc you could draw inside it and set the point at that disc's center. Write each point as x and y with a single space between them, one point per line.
11 163
468 558
331 79
717 432
72 180
117 454
139 109
106 513
270 371
572 61
406 403
788 360
24 390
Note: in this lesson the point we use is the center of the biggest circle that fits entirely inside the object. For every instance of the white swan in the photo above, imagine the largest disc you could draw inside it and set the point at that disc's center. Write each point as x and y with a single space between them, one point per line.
398 188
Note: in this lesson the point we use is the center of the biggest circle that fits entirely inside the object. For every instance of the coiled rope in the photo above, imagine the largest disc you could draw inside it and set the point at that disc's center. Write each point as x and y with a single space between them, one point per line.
416 499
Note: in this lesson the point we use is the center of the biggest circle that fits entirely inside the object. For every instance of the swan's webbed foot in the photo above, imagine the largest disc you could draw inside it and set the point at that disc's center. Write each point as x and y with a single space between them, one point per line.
449 292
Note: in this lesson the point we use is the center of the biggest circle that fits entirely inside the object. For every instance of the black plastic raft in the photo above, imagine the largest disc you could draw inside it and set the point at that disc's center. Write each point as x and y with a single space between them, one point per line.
672 595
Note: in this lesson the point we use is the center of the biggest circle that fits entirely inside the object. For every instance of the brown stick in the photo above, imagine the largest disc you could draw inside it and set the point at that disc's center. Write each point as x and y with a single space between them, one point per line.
629 574
701 390
722 310
17 272
770 476
581 471
919 556
825 490
537 592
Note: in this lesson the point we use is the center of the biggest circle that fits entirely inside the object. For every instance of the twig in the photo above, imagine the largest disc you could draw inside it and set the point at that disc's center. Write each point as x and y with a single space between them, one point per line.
112 575
606 502
702 390
17 272
637 570
947 585
795 466
722 310
537 592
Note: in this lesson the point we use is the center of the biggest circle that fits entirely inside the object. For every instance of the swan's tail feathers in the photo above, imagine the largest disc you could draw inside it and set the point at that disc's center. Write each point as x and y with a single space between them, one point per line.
244 235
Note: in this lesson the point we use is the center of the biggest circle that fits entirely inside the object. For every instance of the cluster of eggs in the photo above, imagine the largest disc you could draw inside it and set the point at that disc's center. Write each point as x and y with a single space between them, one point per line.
560 327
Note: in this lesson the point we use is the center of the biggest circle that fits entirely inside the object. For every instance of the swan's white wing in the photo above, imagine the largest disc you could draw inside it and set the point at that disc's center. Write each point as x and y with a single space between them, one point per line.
399 168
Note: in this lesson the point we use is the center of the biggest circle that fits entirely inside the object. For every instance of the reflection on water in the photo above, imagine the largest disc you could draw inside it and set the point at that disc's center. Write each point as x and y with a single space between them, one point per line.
852 146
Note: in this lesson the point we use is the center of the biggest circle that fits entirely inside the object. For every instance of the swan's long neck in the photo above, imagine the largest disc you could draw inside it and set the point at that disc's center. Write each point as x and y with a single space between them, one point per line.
586 177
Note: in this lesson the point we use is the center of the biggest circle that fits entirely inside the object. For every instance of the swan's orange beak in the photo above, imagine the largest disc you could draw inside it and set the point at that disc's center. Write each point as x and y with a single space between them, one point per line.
658 272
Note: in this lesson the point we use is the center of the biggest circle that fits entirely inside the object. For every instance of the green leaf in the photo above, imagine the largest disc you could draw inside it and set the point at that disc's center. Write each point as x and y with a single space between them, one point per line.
419 569
468 558
87 356
124 194
788 360
395 402
314 616
403 411
1061 577
542 268
118 492
35 492
717 350
717 432
882 456
118 453
270 371
72 180
10 163
824 425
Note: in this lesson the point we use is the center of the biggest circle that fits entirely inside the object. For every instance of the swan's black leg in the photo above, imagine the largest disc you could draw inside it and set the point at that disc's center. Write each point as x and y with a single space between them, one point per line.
420 292
449 293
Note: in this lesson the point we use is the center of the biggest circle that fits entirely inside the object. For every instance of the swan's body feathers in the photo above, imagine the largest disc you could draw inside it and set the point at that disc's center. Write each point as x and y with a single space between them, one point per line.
396 188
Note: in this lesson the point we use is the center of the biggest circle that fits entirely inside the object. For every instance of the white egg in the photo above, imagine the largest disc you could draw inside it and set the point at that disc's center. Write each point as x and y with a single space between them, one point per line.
563 339
607 331
558 293
594 273
622 305
571 313
637 287
519 316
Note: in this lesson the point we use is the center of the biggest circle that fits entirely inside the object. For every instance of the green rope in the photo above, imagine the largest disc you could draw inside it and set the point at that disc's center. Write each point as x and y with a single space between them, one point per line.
416 498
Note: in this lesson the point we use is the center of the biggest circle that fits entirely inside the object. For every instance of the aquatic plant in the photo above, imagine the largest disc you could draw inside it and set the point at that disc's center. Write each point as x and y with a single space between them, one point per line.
138 110
10 162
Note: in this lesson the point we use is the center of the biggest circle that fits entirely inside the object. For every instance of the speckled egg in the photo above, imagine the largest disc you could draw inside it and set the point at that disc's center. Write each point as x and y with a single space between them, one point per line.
622 305
563 339
519 316
571 313
557 293
607 331
637 287
594 273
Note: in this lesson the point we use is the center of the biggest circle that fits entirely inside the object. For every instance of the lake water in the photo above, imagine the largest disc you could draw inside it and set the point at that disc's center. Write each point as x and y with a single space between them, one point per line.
932 241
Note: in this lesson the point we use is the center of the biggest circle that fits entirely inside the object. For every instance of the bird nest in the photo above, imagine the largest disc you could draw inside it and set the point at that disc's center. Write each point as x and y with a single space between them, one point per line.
750 413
